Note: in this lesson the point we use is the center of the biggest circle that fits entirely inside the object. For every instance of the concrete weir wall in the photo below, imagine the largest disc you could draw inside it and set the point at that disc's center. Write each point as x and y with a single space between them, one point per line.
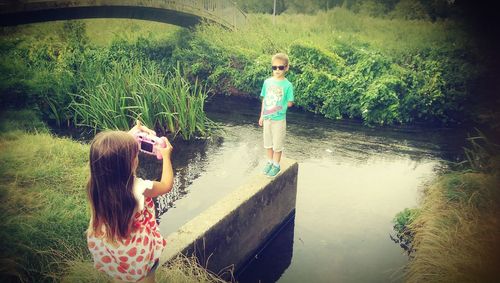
233 229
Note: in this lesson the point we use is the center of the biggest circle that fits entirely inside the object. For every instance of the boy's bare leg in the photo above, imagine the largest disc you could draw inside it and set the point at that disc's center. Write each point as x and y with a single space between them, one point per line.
270 153
277 156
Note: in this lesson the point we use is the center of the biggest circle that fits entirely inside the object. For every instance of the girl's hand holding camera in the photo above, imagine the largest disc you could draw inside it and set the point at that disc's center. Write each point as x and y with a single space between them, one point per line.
149 143
160 146
167 150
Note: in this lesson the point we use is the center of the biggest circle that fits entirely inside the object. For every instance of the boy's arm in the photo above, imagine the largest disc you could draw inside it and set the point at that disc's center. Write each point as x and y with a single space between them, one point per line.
290 96
262 96
261 118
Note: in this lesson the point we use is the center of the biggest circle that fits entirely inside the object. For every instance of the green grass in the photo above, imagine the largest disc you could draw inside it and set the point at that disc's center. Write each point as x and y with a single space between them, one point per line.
70 77
21 120
43 202
392 37
181 269
395 71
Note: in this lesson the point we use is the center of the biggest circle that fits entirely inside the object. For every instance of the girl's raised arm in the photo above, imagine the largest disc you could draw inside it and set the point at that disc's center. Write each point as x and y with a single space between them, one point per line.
167 175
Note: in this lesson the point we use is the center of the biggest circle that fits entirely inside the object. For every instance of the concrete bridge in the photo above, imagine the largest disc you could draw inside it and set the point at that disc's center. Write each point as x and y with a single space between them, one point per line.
178 12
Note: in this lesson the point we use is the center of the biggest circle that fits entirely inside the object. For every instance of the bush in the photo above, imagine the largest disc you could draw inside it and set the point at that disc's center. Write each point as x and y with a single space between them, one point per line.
371 8
410 10
380 103
302 56
251 78
312 87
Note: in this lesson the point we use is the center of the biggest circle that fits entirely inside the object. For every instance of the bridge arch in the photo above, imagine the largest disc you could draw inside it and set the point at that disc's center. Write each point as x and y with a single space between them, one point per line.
184 13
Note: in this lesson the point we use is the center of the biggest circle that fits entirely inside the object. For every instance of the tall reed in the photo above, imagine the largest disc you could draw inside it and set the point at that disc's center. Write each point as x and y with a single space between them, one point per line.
102 101
113 96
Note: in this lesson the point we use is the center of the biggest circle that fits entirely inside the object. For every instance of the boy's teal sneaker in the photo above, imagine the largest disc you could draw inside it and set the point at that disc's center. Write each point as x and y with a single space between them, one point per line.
274 171
268 167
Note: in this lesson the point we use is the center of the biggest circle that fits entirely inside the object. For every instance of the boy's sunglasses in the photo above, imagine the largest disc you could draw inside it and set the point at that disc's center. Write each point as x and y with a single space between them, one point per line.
281 67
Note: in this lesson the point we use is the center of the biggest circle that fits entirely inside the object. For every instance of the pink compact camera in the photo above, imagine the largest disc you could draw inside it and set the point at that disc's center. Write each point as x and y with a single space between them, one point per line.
150 144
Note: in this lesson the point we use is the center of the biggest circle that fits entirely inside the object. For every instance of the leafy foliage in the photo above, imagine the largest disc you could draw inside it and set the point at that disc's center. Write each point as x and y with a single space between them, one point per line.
115 95
343 65
103 87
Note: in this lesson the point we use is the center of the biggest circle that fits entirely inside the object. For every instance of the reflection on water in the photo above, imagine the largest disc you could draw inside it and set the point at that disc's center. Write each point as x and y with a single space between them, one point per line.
225 166
269 263
343 219
352 181
188 161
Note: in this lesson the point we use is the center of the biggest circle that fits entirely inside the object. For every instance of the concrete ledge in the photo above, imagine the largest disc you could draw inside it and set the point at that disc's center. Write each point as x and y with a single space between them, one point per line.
232 230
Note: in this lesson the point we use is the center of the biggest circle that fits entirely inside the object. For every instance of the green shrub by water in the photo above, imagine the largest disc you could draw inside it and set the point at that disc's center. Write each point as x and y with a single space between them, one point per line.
69 79
114 96
347 65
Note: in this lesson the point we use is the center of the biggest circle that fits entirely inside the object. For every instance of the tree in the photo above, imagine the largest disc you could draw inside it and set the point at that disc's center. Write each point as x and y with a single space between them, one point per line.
410 10
261 6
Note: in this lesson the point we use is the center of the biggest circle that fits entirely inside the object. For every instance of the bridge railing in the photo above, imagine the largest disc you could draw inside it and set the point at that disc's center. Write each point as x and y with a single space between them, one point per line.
224 12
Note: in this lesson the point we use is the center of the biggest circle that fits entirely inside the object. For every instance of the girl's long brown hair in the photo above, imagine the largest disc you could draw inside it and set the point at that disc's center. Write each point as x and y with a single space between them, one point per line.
109 189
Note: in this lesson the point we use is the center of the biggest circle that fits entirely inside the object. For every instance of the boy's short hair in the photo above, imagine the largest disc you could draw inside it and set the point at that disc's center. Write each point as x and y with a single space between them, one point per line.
280 56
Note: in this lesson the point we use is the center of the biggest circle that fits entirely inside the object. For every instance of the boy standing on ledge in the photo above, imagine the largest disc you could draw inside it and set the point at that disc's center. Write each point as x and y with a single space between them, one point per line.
277 96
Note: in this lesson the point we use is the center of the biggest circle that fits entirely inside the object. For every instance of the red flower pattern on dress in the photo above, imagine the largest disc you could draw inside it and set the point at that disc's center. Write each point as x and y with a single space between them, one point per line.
136 255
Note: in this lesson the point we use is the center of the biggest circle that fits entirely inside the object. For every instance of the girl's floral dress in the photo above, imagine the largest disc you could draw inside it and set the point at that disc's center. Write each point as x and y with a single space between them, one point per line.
131 259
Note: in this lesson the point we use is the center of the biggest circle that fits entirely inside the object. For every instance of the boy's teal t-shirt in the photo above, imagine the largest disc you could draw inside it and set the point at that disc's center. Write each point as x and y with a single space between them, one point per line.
276 94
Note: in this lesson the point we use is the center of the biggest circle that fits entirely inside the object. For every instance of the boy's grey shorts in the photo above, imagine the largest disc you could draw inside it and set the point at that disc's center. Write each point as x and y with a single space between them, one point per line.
274 134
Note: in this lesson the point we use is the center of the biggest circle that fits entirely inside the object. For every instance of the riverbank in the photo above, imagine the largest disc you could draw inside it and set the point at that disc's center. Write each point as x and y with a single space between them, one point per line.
456 230
44 208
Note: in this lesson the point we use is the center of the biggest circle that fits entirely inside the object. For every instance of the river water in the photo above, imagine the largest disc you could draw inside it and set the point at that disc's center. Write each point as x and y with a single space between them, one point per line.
352 181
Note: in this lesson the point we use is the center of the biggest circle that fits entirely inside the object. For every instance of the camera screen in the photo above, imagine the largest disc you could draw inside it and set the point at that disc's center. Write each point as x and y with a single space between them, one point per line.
147 146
